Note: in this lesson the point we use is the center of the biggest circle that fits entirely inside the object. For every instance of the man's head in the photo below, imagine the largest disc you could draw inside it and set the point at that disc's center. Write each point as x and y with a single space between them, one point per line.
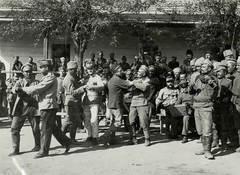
231 65
118 71
124 59
129 74
27 71
151 70
182 76
174 58
62 72
16 58
100 54
206 67
198 63
163 59
189 54
91 70
169 81
176 72
221 71
30 59
45 66
72 67
111 55
208 54
142 71
62 59
157 58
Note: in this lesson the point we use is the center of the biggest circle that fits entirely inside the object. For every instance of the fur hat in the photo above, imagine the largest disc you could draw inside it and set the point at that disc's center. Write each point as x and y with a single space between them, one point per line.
72 65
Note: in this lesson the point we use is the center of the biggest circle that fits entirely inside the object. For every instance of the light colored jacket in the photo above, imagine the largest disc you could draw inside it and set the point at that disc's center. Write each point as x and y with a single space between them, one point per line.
47 90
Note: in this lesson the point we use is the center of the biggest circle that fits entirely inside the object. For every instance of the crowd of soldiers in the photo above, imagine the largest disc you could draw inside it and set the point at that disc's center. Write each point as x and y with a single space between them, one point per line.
207 89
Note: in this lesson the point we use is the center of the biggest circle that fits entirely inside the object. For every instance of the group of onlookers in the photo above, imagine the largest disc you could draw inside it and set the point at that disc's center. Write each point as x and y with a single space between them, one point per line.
204 89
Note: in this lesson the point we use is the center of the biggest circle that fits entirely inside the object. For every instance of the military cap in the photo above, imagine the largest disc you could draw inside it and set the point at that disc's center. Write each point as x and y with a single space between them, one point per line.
26 67
227 53
72 65
216 64
45 62
221 66
177 70
208 51
208 62
199 61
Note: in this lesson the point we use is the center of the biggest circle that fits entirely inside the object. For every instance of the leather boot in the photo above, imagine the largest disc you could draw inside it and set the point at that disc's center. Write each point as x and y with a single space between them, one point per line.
147 142
234 139
105 138
112 138
224 140
15 152
185 139
215 142
238 149
132 135
207 147
201 152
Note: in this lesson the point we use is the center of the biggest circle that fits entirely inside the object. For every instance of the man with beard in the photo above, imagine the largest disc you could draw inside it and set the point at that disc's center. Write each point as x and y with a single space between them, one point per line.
25 106
205 90
166 98
116 88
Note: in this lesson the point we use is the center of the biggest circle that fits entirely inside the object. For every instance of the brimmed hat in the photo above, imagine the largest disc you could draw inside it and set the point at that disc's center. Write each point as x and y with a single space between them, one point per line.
26 67
227 53
45 62
72 65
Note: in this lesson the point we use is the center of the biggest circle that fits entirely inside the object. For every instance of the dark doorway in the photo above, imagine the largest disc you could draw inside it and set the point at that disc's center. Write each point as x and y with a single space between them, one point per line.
58 51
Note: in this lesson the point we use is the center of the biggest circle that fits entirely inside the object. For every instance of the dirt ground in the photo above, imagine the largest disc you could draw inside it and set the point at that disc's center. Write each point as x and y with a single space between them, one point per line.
163 157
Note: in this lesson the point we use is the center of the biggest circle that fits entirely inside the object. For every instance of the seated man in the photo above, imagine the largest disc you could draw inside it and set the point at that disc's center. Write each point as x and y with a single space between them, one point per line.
166 98
185 98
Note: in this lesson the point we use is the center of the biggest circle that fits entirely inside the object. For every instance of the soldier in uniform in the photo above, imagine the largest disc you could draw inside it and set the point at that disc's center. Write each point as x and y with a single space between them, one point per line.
222 105
26 106
205 89
47 91
72 100
236 103
140 105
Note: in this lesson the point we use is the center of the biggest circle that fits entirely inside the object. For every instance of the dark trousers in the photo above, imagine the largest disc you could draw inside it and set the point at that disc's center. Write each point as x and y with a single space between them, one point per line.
17 124
50 127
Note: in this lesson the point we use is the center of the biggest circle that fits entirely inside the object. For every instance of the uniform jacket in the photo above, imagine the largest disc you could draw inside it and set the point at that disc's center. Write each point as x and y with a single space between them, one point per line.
47 90
224 92
24 103
140 92
116 89
72 89
167 96
235 90
205 93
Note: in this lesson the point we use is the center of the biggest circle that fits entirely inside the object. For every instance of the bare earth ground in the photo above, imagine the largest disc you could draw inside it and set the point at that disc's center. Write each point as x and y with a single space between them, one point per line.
163 157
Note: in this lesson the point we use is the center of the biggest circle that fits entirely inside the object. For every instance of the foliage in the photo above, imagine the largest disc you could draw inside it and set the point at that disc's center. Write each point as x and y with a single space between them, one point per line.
80 20
217 23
